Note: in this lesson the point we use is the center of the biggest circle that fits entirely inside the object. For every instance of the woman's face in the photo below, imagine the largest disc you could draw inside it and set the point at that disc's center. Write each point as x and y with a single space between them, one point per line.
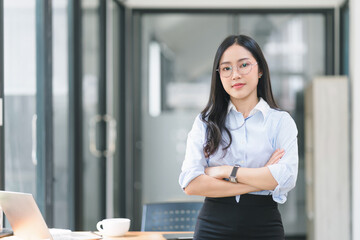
239 74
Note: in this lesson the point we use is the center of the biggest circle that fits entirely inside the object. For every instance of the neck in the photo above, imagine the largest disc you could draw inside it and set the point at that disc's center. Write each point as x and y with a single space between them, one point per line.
245 105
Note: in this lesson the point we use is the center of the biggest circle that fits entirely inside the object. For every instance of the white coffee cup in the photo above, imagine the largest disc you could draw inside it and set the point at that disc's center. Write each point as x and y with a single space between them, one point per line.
113 227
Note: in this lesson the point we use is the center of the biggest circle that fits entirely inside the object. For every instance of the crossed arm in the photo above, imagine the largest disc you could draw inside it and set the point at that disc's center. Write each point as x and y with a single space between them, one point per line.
211 184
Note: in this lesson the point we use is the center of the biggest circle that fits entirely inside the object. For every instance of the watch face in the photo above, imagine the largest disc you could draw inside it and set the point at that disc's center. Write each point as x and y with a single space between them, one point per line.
233 180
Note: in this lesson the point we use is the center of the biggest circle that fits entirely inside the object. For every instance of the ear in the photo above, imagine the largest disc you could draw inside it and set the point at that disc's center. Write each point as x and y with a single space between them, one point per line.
260 74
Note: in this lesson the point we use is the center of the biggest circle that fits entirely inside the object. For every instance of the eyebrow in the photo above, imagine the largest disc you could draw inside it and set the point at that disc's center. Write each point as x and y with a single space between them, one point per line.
241 59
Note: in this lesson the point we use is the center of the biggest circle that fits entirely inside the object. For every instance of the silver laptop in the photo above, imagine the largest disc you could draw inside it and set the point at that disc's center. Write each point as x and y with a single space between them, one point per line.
27 222
24 215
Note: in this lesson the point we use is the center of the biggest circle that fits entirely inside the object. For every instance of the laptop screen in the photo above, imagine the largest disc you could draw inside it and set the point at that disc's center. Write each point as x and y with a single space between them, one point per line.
24 215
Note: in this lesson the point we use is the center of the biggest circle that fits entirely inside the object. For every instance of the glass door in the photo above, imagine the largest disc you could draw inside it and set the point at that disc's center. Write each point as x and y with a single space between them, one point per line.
100 76
20 95
94 165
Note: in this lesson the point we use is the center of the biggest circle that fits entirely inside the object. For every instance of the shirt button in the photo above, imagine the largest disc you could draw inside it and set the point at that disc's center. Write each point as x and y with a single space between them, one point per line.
242 162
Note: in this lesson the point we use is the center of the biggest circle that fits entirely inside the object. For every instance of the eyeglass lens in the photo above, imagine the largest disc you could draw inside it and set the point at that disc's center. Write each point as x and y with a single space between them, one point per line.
243 68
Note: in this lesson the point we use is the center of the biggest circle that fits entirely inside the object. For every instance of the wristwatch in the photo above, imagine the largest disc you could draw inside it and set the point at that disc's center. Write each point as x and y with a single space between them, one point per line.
232 177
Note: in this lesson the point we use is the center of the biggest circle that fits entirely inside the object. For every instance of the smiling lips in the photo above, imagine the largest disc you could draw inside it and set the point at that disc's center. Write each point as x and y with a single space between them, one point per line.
238 85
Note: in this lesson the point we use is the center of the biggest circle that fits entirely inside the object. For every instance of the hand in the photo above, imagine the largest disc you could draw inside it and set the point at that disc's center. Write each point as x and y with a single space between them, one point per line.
275 157
219 172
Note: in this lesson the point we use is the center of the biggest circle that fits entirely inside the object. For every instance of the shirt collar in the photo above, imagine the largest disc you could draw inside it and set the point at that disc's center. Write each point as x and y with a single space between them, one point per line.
262 106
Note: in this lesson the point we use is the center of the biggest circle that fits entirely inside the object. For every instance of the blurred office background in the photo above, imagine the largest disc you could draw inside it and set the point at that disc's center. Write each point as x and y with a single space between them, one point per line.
99 95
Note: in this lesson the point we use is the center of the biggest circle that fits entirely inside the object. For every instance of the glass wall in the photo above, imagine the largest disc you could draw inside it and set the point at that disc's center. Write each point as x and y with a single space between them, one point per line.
20 101
20 95
177 56
20 106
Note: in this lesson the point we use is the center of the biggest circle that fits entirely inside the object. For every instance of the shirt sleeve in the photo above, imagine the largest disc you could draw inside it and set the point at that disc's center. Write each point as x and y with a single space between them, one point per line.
195 162
285 172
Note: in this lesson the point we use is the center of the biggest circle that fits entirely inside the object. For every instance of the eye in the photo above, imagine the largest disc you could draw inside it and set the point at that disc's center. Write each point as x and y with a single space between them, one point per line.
225 69
244 65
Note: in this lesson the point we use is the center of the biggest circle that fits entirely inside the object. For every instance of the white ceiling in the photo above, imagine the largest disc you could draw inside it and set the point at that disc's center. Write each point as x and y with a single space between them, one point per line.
238 4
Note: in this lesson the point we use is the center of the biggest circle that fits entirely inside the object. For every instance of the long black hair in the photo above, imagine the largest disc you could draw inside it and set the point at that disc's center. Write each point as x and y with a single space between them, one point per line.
215 112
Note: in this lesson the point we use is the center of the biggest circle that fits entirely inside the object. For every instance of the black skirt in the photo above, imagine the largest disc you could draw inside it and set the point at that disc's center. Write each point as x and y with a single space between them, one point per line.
254 217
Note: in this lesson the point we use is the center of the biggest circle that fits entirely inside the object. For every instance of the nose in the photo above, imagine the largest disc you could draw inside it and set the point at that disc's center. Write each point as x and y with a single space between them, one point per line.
235 73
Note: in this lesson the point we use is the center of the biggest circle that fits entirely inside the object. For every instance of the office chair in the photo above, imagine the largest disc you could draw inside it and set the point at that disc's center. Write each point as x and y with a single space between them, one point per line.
170 216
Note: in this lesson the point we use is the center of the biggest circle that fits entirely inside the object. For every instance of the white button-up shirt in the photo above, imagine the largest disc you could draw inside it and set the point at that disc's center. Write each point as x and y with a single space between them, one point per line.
254 140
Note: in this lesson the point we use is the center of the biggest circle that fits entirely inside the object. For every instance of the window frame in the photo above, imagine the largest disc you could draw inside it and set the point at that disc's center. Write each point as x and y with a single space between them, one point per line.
2 148
44 111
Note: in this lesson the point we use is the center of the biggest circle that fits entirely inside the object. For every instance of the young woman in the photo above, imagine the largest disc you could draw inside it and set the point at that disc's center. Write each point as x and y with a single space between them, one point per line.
242 152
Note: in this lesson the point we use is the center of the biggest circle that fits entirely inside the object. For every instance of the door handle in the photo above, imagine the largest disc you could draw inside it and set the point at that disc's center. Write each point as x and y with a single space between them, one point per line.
110 136
33 138
1 112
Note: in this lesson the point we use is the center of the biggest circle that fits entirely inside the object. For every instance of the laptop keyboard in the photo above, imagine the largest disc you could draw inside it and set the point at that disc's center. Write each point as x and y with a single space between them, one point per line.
65 234
60 234
62 237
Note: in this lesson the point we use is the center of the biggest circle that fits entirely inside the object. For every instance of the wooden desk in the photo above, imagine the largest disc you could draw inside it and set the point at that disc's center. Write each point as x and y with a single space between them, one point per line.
127 236
141 236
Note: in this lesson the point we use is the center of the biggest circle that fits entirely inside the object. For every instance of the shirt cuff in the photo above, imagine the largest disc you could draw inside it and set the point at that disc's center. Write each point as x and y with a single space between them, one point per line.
280 174
277 196
187 176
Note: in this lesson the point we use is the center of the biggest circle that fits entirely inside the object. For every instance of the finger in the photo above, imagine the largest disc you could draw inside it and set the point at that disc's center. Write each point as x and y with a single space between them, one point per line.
273 158
272 161
279 153
275 161
277 158
276 151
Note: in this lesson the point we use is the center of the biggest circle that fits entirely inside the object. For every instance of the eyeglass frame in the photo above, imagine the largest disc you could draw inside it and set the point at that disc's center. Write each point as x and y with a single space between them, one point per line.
237 69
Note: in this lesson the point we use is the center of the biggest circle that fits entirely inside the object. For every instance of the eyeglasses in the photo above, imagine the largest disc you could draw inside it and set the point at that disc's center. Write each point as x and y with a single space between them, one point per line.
243 68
